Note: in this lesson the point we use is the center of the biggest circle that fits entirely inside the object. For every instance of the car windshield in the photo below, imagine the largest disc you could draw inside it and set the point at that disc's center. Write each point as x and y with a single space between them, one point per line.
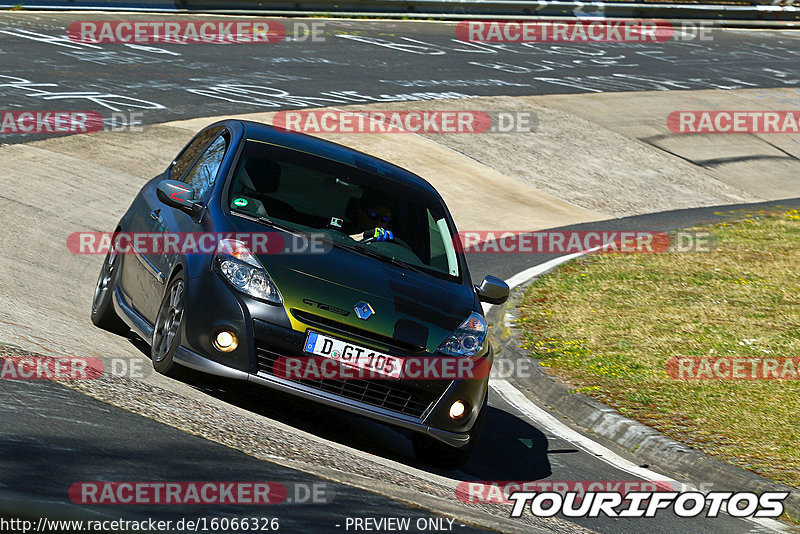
354 208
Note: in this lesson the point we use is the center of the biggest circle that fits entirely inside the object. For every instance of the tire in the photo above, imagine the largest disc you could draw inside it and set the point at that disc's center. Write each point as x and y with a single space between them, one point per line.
103 314
435 453
167 330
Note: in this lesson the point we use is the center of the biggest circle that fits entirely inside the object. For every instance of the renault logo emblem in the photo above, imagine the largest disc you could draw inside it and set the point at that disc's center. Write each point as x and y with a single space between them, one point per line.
363 310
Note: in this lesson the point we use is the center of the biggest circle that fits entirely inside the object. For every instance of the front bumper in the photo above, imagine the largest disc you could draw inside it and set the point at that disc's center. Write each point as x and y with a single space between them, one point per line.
195 361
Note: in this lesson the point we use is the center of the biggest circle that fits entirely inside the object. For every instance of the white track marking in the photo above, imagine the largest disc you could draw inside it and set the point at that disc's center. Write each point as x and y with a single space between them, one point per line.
536 270
546 421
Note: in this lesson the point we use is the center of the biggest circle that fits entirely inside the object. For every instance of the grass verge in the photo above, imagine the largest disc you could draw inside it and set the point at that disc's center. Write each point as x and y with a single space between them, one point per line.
607 324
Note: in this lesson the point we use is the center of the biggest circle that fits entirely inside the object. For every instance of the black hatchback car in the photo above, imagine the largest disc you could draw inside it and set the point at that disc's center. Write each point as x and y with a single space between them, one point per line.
267 251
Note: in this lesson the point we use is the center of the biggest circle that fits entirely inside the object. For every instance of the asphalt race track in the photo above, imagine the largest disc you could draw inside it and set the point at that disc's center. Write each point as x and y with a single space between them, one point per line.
52 436
61 446
357 62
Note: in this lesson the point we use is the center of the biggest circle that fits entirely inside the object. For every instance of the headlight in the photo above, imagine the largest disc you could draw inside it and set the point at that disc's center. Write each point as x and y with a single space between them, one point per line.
467 339
242 270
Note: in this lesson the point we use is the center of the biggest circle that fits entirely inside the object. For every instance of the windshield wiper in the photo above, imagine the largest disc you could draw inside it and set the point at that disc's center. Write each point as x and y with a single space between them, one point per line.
279 226
269 222
379 256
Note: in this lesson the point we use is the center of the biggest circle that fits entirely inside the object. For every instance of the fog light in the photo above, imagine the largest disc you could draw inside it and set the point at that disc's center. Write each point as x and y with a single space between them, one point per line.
457 410
226 341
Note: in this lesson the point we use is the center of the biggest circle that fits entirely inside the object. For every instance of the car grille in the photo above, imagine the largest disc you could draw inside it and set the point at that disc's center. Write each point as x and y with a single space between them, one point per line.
400 397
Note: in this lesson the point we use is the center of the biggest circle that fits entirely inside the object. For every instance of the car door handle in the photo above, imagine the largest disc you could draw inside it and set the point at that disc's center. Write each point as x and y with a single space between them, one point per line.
155 214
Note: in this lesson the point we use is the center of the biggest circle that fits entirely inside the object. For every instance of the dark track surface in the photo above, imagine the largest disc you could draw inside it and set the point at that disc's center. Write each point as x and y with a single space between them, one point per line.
358 61
52 437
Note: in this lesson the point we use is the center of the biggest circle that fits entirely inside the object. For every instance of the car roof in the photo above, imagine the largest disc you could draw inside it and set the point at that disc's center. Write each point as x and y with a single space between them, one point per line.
334 151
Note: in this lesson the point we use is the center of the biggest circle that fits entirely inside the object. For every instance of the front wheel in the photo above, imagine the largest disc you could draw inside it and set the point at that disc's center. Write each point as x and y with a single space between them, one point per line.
103 313
167 332
435 453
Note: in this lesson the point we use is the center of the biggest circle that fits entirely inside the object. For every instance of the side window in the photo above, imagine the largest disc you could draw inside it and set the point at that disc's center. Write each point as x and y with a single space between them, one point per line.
438 253
190 153
443 255
204 173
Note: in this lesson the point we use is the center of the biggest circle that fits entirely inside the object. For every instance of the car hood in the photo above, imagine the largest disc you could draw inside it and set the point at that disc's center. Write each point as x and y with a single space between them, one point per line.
414 309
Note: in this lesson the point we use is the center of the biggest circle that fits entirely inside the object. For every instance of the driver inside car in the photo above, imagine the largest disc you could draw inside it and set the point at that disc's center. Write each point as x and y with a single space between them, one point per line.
373 221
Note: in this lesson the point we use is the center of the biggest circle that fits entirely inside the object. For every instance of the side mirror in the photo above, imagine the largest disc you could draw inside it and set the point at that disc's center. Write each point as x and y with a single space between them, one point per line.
493 290
178 195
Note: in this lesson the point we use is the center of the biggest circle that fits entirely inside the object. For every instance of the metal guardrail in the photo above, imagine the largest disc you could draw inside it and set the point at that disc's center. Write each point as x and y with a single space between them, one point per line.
511 8
732 10
112 5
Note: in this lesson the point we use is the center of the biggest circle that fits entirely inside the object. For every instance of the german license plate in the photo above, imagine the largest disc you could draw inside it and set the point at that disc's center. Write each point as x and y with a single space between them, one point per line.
352 355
